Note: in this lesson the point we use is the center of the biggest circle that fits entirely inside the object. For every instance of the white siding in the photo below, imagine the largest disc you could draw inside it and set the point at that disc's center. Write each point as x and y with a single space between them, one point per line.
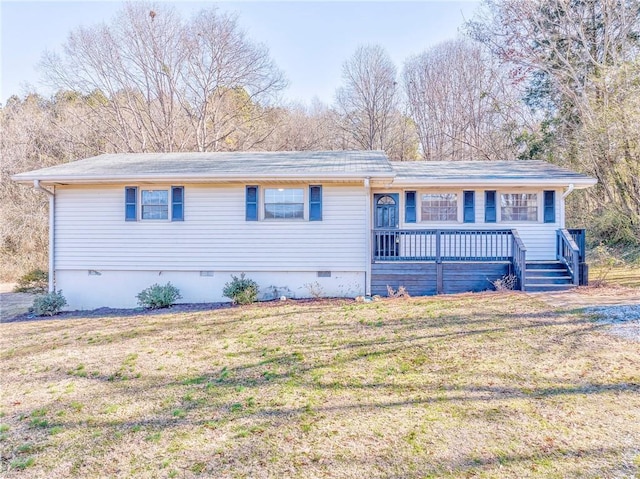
119 288
91 233
538 237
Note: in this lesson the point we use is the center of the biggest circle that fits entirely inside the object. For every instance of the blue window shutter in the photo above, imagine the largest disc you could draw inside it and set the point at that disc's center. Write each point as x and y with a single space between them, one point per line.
252 203
409 206
315 203
177 203
550 206
130 203
469 206
489 206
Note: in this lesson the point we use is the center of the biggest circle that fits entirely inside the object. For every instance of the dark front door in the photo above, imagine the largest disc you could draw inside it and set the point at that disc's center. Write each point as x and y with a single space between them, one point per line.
386 217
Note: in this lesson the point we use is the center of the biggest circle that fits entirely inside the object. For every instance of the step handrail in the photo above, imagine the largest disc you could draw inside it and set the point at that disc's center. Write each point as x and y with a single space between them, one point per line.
567 252
519 258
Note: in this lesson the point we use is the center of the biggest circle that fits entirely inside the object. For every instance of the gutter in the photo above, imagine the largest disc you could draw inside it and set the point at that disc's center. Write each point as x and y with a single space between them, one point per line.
564 195
199 179
52 216
504 182
368 249
568 192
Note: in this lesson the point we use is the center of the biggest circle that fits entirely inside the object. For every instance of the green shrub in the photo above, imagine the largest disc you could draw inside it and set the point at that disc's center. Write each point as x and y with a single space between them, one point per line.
241 290
156 296
48 304
35 281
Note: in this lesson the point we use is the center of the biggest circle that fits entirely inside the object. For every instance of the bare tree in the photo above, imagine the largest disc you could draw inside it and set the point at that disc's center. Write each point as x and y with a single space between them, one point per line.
560 46
579 61
463 105
35 134
368 103
229 81
299 127
167 84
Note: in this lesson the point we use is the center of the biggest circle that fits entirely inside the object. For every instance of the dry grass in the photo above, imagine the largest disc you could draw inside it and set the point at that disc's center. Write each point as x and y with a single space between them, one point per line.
492 385
627 276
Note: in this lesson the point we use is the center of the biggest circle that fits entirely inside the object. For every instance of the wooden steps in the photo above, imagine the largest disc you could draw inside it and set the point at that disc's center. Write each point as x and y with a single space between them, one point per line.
547 276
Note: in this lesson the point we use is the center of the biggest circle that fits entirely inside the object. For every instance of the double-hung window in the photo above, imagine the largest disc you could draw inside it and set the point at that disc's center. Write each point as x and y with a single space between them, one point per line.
154 203
518 207
283 203
439 207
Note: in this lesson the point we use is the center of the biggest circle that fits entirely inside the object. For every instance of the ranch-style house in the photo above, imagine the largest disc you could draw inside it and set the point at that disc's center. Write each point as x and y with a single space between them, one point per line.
331 223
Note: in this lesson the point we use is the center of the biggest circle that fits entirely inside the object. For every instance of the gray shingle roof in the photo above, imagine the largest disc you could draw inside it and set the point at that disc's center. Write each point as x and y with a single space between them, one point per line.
486 172
303 165
248 165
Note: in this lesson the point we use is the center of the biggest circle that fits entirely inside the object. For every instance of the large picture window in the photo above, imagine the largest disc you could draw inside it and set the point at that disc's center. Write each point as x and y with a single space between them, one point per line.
284 203
519 207
439 207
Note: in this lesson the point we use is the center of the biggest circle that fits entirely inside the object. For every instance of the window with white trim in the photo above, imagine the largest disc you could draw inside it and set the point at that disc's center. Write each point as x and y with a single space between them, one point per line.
439 207
154 204
518 207
284 203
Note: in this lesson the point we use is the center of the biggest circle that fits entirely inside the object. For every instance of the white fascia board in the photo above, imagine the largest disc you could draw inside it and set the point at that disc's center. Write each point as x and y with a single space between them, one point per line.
547 182
119 179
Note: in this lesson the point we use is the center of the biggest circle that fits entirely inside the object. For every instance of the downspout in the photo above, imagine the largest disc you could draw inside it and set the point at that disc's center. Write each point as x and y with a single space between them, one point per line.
562 209
367 223
51 195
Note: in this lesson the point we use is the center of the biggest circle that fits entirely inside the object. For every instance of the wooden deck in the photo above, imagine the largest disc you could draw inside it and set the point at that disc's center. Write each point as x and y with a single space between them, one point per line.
434 261
429 278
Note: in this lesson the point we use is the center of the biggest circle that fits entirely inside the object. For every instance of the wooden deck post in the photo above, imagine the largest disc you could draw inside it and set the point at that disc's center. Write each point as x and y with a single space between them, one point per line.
439 282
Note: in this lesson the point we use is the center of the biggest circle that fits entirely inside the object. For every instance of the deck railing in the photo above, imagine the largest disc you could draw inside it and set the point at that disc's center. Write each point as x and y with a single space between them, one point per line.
579 236
519 259
442 245
568 252
452 245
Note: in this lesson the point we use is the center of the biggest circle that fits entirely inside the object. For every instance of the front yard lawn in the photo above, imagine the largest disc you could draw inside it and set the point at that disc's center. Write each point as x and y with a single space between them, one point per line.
478 385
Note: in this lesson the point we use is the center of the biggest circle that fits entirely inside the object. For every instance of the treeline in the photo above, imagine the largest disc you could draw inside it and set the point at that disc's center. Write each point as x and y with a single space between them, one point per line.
556 80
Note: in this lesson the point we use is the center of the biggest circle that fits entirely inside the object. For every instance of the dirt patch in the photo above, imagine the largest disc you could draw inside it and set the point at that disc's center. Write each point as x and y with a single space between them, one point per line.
23 315
20 312
14 304
7 287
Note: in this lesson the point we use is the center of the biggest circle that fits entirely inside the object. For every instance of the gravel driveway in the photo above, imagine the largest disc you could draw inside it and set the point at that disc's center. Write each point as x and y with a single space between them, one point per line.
617 306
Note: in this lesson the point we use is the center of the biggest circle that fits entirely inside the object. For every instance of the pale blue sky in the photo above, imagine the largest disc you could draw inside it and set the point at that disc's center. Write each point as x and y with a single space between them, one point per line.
308 40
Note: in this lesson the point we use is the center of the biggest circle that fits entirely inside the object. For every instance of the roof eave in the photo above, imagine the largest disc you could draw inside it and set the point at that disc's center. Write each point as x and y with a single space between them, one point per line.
578 183
119 179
